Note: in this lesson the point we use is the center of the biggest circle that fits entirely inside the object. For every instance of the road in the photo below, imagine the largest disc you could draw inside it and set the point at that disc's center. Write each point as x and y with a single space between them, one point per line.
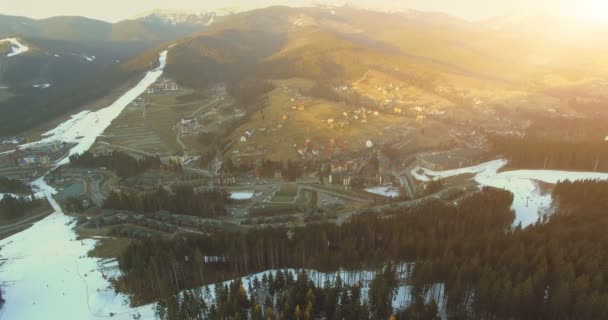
127 149
406 182
338 194
344 216
23 223
217 98
198 171
178 138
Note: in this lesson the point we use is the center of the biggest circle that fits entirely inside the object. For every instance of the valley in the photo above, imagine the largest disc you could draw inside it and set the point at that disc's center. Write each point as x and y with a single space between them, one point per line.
322 142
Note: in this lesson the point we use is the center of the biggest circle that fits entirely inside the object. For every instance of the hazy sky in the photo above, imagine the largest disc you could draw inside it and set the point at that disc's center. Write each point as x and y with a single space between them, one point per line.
113 10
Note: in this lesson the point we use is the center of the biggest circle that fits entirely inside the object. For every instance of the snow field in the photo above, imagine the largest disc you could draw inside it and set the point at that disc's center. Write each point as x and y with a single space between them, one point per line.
46 272
389 192
16 46
529 203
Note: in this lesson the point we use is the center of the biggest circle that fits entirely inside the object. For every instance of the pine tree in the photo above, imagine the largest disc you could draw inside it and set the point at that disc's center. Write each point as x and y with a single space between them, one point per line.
269 314
257 313
308 313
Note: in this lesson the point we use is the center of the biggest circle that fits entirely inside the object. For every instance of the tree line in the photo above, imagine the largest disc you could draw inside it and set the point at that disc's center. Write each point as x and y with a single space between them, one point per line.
123 164
583 195
553 153
8 185
557 144
367 241
550 270
182 200
287 295
15 207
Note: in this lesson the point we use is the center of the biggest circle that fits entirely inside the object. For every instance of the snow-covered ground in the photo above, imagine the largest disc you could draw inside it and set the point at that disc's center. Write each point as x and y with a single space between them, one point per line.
47 274
241 195
16 46
42 86
402 298
26 197
84 127
8 194
45 271
389 192
529 203
426 175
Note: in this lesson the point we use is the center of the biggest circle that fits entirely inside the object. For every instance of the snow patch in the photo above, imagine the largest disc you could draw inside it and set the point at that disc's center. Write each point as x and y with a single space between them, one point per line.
529 203
401 300
83 128
68 285
42 86
389 192
210 22
9 194
16 47
241 195
89 58
427 175
46 272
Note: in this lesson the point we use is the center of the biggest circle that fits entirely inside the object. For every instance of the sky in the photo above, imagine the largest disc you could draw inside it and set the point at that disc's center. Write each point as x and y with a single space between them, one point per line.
114 10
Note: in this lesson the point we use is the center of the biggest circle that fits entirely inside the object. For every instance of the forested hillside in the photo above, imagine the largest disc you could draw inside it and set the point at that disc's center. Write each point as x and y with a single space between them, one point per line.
285 295
557 144
8 185
341 44
546 271
73 61
81 29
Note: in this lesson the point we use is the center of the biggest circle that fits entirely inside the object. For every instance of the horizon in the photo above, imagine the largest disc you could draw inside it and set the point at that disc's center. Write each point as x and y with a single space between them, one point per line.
590 11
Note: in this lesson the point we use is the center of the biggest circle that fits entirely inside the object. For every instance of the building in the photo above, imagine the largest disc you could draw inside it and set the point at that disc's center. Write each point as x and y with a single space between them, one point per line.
162 86
225 179
246 135
187 126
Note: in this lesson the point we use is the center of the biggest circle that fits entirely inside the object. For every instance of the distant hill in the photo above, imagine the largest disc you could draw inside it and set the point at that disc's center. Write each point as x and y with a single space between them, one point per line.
148 28
337 60
341 43
74 60
437 54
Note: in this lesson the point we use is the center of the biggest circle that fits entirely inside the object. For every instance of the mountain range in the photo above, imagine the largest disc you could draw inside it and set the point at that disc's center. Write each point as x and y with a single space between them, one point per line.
74 60
304 41
434 52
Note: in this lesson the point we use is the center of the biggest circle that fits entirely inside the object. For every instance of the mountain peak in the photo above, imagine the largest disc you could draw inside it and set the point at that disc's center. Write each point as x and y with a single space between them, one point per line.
175 17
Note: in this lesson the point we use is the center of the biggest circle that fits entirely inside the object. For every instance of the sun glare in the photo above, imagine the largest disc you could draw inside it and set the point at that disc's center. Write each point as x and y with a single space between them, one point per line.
593 11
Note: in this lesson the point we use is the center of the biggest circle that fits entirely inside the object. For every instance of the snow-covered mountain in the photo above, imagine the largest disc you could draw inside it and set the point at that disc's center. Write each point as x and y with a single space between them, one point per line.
180 18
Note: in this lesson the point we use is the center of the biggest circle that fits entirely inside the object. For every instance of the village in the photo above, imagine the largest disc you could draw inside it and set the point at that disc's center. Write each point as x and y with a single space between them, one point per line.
301 159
